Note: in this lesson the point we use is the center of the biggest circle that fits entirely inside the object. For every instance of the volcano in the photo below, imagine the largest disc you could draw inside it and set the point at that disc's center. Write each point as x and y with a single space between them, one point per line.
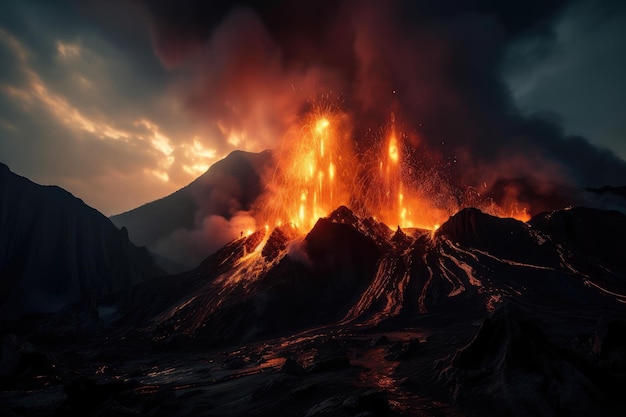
482 314
395 223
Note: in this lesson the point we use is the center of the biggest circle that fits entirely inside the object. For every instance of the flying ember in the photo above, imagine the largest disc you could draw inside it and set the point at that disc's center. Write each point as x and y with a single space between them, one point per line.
312 177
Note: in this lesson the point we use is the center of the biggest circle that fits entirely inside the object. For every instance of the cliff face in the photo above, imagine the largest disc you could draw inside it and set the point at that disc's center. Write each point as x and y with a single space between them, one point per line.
55 250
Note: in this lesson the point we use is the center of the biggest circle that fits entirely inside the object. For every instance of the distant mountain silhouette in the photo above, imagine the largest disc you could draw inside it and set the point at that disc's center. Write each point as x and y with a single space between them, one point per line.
55 250
617 191
230 185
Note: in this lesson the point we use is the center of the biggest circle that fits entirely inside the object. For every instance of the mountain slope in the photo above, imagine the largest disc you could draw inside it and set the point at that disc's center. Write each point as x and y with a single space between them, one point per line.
54 249
355 271
482 316
229 186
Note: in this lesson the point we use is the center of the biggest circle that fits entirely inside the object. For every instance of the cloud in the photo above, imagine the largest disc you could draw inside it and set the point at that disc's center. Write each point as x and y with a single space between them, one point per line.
77 113
237 83
252 68
156 97
578 73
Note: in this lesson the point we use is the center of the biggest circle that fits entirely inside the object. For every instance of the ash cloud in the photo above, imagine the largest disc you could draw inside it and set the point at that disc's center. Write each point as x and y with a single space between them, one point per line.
253 66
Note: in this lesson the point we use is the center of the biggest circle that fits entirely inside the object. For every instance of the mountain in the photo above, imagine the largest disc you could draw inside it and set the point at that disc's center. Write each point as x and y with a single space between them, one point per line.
351 270
484 315
617 191
229 186
55 250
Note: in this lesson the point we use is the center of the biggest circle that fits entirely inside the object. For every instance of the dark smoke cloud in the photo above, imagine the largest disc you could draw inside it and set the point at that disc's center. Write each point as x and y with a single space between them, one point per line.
253 65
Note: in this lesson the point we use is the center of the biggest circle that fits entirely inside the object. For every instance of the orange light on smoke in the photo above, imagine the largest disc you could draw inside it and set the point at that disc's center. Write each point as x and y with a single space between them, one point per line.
317 171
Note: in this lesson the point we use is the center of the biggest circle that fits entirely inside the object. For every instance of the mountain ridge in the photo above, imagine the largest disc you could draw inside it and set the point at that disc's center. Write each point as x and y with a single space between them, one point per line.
55 249
230 185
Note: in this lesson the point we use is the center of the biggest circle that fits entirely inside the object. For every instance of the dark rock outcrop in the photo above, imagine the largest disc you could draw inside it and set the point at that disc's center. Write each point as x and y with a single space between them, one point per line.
597 233
512 366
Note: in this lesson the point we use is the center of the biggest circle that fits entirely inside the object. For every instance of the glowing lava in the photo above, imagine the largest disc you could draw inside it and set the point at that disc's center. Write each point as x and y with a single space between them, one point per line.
394 211
312 175
317 171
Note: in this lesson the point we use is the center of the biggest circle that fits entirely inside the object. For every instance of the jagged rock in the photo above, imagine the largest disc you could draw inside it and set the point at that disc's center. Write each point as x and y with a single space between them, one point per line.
610 344
252 241
511 365
400 239
343 214
587 230
277 241
85 396
369 227
337 363
504 238
20 359
292 367
333 246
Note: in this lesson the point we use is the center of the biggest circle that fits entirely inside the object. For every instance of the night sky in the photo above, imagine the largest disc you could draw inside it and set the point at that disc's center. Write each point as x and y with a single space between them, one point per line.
124 102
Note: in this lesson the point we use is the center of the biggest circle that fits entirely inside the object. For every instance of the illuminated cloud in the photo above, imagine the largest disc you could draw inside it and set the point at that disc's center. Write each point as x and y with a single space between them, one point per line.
113 154
124 102
68 50
199 156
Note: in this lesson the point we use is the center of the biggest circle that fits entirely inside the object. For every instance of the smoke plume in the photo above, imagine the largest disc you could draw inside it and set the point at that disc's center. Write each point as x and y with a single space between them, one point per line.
252 68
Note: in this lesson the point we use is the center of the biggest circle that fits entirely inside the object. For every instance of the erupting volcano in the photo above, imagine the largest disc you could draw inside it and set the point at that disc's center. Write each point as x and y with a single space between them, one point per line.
317 170
372 224
360 292
312 175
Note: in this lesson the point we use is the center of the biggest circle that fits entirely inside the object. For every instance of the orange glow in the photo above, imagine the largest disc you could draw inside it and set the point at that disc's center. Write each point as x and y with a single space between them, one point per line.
393 148
513 211
317 171
392 195
312 177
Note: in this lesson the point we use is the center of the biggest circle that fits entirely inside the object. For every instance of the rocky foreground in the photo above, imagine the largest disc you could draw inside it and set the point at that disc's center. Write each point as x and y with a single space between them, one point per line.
485 316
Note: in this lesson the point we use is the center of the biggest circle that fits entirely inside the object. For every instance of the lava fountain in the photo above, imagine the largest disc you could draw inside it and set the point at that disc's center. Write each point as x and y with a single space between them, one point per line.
317 170
313 173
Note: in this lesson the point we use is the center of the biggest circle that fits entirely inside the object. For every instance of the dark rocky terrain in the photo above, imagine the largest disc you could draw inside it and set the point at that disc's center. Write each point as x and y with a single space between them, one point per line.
485 316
